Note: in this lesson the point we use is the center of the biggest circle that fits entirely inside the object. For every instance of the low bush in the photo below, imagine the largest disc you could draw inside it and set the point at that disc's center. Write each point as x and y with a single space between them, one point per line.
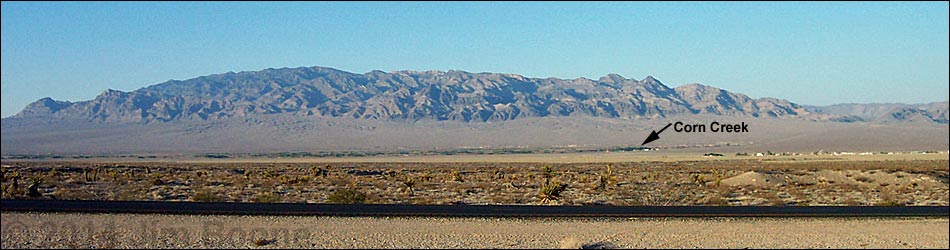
267 198
347 196
206 196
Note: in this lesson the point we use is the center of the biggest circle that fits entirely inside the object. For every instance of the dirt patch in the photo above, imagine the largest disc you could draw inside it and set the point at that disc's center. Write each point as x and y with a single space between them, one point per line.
754 178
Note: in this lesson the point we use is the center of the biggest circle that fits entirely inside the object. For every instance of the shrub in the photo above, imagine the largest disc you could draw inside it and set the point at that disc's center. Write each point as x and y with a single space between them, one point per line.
206 196
426 177
114 174
347 196
552 191
718 177
457 176
889 203
319 172
716 201
264 242
863 179
266 198
698 179
287 180
604 179
157 181
601 182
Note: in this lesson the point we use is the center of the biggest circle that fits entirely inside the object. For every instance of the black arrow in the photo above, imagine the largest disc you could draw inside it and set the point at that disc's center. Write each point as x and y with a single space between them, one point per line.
655 135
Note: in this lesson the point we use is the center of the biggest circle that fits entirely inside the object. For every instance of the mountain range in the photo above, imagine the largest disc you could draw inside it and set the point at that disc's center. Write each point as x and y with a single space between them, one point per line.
887 112
412 95
321 95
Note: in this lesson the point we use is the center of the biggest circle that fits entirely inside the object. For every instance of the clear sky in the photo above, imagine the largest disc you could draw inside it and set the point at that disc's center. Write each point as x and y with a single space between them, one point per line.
809 53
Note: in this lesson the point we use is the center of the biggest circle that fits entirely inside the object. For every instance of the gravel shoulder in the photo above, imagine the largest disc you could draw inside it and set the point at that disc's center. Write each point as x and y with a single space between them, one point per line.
62 230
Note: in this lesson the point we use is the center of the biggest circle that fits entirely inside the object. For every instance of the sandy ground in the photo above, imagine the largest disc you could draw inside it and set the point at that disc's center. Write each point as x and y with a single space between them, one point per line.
39 230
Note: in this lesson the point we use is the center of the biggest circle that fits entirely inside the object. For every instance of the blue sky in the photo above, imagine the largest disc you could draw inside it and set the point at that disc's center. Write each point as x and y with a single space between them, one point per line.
809 53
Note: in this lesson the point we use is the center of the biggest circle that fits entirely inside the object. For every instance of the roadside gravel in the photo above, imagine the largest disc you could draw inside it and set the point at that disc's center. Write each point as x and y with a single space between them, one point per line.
61 230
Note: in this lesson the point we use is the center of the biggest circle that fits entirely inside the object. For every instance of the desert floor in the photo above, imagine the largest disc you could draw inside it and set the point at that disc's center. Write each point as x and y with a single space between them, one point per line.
806 180
42 230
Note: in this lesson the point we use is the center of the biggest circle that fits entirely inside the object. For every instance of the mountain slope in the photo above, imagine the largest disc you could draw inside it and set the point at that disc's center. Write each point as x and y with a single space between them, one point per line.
406 95
935 112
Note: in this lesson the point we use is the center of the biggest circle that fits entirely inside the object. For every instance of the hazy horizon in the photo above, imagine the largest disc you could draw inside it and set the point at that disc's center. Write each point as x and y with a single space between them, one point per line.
808 53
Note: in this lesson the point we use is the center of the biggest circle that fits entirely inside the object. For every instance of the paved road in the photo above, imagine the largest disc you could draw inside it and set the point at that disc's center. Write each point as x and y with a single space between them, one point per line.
226 208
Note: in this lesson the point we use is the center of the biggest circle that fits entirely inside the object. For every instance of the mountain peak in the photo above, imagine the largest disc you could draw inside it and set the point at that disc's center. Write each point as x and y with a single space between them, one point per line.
43 107
697 87
612 78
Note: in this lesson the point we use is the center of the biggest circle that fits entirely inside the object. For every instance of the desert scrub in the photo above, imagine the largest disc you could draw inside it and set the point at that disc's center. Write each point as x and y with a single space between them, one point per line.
347 196
718 177
426 177
264 242
604 179
457 176
552 191
157 180
127 195
206 196
889 203
716 200
287 180
319 172
266 198
697 179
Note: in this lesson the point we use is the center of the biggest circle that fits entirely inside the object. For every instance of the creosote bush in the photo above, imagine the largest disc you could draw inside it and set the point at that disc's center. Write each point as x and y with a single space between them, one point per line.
347 196
267 198
457 176
264 242
206 196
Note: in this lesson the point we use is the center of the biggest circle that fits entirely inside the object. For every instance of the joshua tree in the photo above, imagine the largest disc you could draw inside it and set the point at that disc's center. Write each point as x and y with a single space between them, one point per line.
409 182
15 188
32 190
548 174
